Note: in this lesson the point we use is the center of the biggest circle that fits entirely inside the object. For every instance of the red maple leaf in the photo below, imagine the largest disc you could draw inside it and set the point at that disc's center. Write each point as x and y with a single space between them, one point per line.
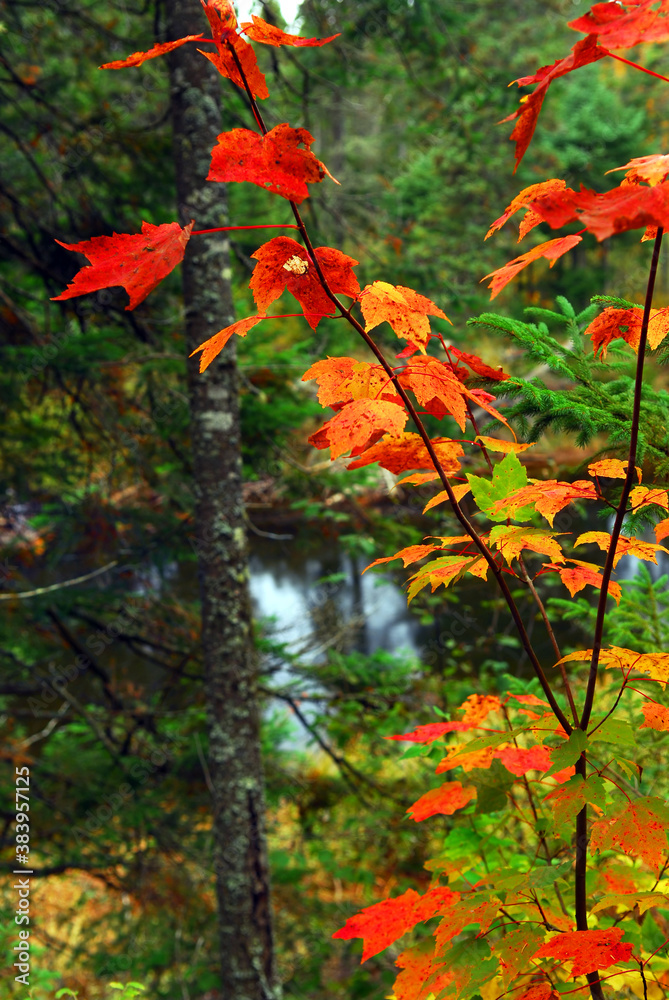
584 52
431 731
223 22
477 366
212 348
358 425
445 800
260 31
403 452
522 200
137 261
281 161
160 49
519 760
628 206
552 250
283 263
624 25
588 951
383 923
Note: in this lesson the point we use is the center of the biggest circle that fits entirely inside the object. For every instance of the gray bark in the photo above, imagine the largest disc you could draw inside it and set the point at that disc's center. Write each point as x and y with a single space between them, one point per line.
242 879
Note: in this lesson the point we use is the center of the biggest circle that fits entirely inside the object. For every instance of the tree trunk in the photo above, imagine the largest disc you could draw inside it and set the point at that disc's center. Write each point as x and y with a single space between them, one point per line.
242 881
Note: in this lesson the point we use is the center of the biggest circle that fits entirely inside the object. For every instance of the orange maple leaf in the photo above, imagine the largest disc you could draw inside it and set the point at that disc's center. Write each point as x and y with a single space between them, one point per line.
281 161
652 169
407 451
160 49
478 707
662 529
639 829
283 263
581 574
611 468
341 380
212 348
552 251
655 716
654 665
588 951
137 261
625 546
404 309
612 324
383 923
512 540
408 555
260 31
358 425
445 800
548 497
642 496
436 388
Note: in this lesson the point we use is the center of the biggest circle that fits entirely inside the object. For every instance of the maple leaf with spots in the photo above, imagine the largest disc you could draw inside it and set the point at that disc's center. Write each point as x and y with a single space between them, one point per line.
547 497
655 716
639 829
404 309
342 380
587 951
358 425
284 264
137 261
280 161
422 976
624 546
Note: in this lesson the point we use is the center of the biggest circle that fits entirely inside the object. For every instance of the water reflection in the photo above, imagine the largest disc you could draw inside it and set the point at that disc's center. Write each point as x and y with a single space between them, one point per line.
318 600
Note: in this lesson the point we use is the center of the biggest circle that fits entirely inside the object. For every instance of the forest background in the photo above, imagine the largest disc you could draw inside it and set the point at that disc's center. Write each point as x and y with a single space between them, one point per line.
96 472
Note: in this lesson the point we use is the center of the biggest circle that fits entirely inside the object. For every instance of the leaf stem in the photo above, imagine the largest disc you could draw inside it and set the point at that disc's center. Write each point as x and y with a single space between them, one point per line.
627 487
643 69
228 229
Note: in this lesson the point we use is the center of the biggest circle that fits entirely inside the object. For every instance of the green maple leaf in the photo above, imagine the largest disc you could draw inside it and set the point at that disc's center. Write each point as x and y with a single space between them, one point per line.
508 475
